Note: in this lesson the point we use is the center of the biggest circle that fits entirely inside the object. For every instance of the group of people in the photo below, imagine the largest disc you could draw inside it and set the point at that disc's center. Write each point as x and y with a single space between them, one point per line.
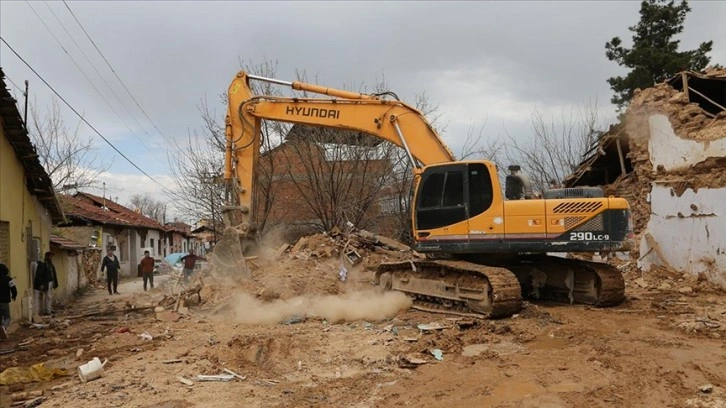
111 265
45 280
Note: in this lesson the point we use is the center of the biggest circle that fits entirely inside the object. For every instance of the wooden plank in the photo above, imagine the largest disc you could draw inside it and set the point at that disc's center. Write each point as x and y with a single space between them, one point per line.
620 156
684 79
707 98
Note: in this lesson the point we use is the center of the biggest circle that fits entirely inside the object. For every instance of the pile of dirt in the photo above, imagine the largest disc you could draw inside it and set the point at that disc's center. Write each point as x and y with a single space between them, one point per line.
262 353
328 275
327 263
354 246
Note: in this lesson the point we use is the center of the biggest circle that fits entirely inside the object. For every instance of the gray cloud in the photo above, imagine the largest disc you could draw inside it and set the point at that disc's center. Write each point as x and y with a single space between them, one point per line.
478 60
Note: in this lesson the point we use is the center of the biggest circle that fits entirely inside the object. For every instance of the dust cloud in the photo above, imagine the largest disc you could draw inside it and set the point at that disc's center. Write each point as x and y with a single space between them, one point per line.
362 305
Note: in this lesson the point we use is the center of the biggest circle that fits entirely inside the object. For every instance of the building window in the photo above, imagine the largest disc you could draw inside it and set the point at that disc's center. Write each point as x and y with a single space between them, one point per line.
153 251
5 242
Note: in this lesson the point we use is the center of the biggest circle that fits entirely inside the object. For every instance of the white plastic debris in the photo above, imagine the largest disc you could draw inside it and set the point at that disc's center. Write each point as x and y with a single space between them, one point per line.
146 336
343 273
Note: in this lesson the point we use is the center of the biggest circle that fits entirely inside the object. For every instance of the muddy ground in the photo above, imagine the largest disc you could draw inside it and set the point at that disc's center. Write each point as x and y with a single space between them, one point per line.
663 347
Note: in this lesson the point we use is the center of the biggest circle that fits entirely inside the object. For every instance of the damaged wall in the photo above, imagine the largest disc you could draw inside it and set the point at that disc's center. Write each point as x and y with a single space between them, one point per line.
678 185
689 232
668 150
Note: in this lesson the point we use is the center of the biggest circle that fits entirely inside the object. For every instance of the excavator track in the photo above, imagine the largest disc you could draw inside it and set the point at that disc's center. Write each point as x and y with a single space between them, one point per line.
571 281
454 287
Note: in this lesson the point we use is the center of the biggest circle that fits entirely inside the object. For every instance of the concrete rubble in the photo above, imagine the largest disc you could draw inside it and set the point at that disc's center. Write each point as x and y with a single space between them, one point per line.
353 247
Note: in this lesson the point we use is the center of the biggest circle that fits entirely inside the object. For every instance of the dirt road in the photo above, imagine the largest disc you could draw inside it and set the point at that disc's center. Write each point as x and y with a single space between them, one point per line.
662 348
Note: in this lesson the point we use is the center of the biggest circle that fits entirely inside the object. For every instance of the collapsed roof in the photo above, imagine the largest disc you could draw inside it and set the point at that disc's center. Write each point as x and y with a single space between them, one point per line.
698 99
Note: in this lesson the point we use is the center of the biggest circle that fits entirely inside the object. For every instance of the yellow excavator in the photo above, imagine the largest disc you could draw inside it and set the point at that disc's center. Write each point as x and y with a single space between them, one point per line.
484 247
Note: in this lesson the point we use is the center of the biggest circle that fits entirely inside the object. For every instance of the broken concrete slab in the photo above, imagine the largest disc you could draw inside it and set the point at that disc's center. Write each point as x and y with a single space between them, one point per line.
167 316
410 362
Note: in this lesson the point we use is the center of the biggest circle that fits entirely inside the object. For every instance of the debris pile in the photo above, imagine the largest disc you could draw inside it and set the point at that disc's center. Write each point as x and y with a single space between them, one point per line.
353 247
91 260
689 121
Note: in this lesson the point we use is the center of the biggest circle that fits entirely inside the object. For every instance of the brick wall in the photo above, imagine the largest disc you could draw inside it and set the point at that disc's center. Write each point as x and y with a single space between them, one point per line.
286 168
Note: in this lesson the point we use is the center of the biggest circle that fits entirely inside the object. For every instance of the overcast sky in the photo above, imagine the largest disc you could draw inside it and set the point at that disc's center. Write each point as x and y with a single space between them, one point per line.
489 63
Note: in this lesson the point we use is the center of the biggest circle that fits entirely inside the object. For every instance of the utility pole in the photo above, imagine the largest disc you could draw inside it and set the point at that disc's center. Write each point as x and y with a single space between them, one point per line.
25 114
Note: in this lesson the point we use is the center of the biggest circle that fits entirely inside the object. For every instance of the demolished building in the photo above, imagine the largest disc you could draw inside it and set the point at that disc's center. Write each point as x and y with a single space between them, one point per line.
667 157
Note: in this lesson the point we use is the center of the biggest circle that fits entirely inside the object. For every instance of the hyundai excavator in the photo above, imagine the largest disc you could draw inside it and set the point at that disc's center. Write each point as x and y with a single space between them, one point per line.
484 247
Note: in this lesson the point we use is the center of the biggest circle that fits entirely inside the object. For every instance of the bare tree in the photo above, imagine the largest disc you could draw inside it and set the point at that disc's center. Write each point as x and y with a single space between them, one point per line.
67 157
478 146
149 207
336 182
197 166
557 147
196 169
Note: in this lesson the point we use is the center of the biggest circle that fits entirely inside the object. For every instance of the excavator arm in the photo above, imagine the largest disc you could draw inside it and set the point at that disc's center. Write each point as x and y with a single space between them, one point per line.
389 120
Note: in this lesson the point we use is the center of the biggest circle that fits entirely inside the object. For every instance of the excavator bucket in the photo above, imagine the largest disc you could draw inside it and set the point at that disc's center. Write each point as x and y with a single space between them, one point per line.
227 258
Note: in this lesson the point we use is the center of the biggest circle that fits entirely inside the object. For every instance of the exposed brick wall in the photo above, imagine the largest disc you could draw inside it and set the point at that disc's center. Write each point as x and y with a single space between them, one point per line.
288 173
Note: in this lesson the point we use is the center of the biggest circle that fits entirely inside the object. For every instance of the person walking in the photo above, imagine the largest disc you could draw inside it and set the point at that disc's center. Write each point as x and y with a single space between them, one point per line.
190 261
8 293
111 265
44 282
147 269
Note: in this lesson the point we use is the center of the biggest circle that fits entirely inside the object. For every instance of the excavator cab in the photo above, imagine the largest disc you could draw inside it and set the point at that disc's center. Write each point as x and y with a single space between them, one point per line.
449 196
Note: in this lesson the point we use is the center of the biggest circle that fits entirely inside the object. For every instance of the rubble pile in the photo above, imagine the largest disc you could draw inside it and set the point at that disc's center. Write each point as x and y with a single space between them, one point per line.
354 247
328 263
689 120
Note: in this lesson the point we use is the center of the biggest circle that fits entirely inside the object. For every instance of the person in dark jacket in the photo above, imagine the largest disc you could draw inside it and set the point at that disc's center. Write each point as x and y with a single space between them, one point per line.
8 293
111 265
44 282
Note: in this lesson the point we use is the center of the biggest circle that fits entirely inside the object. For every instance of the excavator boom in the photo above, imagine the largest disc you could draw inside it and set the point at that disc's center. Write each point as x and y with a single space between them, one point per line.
393 121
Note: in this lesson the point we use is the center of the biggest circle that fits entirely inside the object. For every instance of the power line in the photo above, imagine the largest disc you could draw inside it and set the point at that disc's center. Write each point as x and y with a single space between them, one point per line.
168 140
88 79
94 67
84 119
